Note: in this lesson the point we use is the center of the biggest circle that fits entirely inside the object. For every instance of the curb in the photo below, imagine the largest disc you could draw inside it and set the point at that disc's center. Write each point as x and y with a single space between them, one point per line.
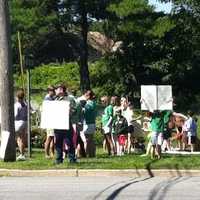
99 173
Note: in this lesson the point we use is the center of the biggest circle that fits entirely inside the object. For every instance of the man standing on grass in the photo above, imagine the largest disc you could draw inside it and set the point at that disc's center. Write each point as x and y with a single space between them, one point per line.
65 136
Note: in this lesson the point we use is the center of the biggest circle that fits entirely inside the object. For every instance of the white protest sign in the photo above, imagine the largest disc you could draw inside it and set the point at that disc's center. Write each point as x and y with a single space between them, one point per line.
4 143
148 97
156 97
55 115
165 101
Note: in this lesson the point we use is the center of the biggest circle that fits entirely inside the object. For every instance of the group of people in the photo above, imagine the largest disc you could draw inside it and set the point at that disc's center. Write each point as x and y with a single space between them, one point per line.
166 127
118 124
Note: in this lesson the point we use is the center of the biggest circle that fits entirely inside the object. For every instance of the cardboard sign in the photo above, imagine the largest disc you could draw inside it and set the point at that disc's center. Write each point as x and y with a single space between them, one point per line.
55 115
156 97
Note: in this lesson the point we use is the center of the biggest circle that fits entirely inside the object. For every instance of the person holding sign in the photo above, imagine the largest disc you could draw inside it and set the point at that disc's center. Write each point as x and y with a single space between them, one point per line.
49 143
65 136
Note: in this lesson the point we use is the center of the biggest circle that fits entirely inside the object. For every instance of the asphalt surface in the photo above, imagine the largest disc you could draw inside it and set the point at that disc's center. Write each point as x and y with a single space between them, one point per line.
94 188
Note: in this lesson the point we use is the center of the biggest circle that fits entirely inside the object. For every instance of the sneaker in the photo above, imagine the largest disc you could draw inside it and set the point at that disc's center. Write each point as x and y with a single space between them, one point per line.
21 158
47 157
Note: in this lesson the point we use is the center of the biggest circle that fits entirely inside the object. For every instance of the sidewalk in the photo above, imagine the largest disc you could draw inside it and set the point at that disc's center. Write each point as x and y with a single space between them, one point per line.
99 172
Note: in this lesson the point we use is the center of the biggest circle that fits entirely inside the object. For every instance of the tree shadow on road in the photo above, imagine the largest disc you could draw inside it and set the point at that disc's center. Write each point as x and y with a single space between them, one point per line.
116 192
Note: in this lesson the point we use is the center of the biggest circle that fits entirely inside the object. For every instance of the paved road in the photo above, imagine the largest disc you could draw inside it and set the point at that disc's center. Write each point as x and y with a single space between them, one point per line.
94 188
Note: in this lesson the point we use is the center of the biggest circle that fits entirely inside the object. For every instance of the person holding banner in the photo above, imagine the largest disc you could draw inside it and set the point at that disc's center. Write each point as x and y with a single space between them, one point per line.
157 126
65 136
49 143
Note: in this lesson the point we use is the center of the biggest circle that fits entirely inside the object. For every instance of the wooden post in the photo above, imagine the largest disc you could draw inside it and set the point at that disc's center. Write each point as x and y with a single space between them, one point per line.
8 149
29 110
21 59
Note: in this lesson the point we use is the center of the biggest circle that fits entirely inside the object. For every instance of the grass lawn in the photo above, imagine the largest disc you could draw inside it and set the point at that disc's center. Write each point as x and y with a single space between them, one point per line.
103 161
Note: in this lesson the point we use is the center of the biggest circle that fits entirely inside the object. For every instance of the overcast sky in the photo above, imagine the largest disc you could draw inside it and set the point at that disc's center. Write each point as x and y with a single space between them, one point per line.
166 7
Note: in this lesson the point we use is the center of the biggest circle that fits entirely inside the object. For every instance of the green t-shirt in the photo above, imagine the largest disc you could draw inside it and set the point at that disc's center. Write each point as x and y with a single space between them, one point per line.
90 112
166 117
108 112
157 122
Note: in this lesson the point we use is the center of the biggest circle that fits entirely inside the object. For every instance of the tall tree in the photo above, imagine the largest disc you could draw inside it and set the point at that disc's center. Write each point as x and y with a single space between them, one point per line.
78 16
141 29
8 151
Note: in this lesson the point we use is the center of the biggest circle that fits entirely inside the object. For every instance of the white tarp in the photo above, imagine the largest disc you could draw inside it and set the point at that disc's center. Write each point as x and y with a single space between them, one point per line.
4 143
55 115
156 97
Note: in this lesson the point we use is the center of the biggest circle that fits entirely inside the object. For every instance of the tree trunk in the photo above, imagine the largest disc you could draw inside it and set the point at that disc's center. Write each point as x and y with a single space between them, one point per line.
8 150
83 62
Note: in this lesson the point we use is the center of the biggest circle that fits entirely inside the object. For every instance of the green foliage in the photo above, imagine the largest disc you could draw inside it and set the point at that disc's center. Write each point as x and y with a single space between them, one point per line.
157 48
128 7
162 25
103 161
53 74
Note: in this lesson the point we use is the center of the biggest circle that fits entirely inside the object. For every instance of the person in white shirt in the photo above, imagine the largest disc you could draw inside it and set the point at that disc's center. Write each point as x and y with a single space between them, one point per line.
191 128
20 109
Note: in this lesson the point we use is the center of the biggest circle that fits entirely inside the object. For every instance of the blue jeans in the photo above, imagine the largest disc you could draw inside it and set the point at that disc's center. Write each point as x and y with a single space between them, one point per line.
67 137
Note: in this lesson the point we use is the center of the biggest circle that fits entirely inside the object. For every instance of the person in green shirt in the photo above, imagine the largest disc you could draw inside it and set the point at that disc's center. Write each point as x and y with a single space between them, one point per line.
89 125
106 120
159 126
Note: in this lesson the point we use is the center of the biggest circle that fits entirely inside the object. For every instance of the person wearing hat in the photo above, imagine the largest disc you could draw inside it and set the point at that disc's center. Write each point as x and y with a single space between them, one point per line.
65 136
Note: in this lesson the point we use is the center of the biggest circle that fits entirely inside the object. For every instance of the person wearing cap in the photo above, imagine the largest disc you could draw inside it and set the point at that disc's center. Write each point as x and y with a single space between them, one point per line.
49 143
62 136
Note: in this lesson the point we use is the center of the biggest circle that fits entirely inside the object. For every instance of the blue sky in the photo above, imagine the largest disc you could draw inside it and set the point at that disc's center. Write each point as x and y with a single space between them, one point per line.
166 7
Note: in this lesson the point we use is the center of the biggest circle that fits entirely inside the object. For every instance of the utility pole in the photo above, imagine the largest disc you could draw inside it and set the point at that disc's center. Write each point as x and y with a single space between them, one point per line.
8 149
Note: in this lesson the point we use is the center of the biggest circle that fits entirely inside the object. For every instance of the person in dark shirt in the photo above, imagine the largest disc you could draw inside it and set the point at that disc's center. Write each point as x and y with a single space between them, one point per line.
120 128
65 136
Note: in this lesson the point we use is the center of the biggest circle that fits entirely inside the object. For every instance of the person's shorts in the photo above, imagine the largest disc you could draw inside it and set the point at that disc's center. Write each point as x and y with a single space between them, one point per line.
156 138
106 129
50 133
191 140
20 127
89 128
130 129
167 134
122 139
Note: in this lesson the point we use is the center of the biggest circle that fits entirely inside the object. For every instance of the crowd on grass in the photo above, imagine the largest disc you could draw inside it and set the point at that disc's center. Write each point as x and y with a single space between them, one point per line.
161 128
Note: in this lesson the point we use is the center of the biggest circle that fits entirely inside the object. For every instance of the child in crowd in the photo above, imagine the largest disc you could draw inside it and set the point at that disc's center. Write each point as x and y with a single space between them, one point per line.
120 126
180 137
147 130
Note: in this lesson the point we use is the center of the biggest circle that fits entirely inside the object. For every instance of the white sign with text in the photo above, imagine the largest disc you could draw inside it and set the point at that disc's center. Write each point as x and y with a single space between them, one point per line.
156 97
55 115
